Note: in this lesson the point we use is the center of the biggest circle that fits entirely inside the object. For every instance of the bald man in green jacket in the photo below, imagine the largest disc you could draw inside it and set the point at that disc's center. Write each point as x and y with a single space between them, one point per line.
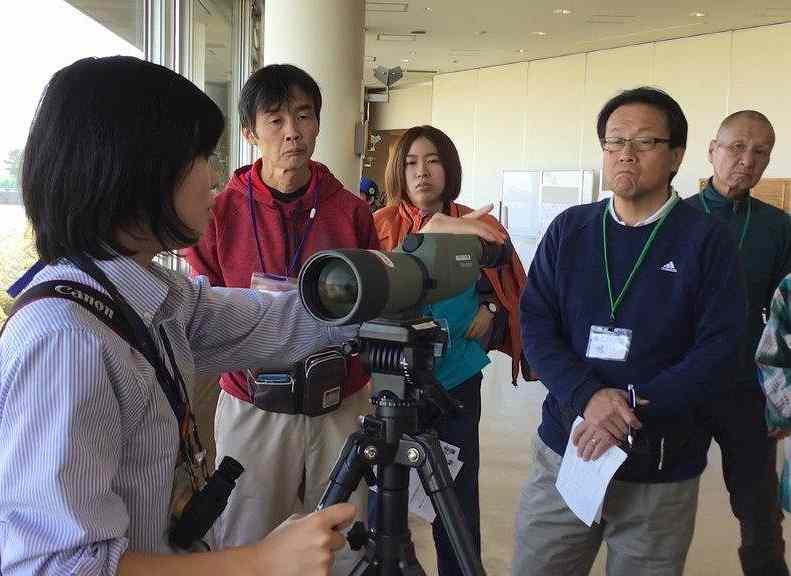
739 155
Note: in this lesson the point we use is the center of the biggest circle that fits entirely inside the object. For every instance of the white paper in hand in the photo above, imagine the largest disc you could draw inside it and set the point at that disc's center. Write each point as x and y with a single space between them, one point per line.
583 485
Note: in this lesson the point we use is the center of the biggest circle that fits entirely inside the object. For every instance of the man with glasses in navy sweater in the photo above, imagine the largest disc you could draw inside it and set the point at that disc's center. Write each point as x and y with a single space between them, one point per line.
638 290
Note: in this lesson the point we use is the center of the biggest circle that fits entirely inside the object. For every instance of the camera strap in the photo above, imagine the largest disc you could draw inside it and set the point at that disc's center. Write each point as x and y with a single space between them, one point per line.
142 340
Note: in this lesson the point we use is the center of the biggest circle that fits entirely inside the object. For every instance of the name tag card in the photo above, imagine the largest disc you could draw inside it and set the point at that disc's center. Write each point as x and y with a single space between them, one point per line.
606 343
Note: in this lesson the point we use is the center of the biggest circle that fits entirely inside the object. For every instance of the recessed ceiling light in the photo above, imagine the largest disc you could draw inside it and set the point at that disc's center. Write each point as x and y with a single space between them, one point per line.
429 9
521 50
539 33
697 14
405 60
385 37
562 11
387 6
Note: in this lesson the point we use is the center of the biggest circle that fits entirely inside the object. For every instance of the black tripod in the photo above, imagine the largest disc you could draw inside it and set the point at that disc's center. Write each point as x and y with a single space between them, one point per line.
399 356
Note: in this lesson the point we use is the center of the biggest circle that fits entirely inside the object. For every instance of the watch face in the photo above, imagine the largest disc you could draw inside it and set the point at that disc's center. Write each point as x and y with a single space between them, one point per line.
492 307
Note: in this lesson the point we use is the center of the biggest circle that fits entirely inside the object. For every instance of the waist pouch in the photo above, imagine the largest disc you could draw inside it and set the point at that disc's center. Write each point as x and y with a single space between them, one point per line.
313 386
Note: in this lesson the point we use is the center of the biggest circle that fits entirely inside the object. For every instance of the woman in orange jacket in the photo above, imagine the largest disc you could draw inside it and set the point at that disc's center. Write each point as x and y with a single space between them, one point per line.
423 178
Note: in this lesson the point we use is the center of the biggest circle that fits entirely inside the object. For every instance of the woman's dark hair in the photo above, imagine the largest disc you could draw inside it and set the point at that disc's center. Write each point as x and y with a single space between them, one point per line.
395 180
662 101
270 87
111 141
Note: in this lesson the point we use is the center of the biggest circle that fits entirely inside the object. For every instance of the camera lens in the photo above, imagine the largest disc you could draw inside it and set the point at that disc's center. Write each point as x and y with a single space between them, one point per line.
337 288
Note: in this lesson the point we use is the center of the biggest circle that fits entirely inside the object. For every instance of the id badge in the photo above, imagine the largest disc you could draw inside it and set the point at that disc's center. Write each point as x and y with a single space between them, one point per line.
272 284
606 343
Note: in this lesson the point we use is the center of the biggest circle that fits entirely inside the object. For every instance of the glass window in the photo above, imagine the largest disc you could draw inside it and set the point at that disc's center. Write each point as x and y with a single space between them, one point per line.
211 64
37 39
208 61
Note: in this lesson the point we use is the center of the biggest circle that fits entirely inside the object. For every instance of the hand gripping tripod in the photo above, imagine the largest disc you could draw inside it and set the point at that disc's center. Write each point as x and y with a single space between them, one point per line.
400 357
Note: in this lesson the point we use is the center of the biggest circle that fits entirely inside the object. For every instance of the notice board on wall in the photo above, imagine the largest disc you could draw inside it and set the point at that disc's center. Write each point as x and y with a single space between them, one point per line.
531 199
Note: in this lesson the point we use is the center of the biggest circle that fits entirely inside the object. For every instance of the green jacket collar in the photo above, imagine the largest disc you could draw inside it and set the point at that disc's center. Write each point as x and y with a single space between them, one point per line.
717 202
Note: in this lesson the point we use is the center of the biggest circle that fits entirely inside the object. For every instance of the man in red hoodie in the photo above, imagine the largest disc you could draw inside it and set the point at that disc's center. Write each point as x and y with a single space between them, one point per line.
271 217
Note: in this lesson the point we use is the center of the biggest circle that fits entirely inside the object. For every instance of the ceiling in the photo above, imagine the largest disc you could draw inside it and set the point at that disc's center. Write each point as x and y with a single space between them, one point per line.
122 17
468 34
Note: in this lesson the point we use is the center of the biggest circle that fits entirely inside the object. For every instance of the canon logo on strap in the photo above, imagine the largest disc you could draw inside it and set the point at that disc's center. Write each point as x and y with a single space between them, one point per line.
75 294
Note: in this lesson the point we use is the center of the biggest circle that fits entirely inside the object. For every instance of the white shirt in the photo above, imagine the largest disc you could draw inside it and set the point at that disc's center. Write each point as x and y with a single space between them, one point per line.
89 441
653 217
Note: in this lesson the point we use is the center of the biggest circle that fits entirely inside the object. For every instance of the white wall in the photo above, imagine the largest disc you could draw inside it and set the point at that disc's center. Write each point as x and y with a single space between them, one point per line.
542 114
696 72
761 79
555 119
407 107
453 109
499 119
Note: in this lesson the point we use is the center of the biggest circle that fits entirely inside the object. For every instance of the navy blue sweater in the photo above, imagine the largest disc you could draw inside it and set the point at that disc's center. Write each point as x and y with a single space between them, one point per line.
686 325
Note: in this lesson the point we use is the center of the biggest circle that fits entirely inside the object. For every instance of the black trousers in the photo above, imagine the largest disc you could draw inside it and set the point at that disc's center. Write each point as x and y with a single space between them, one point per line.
738 424
462 430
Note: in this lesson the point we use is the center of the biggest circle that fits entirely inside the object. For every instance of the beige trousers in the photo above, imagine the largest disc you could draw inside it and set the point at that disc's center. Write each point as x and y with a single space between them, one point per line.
647 527
287 461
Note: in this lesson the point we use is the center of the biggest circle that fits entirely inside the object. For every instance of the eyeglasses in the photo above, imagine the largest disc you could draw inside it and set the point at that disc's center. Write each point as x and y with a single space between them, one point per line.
739 148
641 144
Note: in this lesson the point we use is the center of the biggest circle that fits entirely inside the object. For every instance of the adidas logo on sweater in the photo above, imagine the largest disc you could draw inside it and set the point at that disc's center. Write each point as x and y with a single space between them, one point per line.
669 267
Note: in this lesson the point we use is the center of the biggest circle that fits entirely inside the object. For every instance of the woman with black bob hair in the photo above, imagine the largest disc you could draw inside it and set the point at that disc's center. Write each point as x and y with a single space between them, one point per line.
100 452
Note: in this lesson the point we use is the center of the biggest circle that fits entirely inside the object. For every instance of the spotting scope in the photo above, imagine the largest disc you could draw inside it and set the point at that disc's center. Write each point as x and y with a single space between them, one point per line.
352 286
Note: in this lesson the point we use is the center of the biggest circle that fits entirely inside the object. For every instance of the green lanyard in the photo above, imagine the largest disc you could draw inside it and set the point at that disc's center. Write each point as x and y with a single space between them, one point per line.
746 219
615 303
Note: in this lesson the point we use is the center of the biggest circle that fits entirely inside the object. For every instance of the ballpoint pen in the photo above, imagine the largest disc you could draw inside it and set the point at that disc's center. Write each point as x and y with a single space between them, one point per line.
632 404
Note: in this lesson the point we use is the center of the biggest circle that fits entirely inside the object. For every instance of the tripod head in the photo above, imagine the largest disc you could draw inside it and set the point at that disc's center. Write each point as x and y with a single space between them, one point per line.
400 354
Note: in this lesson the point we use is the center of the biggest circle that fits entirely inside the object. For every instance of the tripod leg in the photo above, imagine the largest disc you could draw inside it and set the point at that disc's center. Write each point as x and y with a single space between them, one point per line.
347 472
406 565
438 484
363 568
349 469
411 567
393 539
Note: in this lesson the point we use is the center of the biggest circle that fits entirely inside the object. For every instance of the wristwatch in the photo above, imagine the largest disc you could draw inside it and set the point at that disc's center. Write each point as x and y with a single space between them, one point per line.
491 306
